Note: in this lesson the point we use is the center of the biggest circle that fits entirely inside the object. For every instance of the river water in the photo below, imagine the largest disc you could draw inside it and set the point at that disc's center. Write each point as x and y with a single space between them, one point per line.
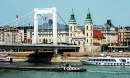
92 71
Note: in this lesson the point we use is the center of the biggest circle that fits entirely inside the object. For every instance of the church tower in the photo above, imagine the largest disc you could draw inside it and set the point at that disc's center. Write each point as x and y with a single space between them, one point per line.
72 27
89 31
109 21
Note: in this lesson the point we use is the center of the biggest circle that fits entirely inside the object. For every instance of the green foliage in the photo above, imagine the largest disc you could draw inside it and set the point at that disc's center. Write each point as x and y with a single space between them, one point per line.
45 41
104 47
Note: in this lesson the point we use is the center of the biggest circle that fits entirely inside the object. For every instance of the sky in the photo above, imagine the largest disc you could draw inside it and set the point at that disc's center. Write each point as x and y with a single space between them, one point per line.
117 10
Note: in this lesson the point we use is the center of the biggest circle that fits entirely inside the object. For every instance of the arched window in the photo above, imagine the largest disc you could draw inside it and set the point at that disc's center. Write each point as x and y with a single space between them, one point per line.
87 28
87 34
87 40
91 40
91 27
91 34
70 27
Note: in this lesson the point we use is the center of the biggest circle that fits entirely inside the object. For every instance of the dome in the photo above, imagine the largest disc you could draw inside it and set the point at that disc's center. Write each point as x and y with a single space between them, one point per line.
109 18
88 19
72 18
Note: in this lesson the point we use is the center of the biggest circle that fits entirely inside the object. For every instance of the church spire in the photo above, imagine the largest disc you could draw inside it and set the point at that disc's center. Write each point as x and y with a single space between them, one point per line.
72 18
88 19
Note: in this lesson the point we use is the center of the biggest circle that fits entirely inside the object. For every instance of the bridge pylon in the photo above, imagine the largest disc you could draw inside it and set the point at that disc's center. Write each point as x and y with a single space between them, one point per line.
45 11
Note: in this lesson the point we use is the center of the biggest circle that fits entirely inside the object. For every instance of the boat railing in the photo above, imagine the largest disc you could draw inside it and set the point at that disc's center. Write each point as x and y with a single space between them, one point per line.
72 68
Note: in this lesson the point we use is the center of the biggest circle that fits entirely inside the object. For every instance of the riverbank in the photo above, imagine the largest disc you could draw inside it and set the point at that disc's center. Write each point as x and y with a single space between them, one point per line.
65 57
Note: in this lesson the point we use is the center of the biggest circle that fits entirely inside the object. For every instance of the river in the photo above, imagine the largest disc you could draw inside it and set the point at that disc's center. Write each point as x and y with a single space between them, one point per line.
92 71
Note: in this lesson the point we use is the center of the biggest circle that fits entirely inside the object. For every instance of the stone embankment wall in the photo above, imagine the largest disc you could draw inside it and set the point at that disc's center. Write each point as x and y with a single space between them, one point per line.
18 56
65 57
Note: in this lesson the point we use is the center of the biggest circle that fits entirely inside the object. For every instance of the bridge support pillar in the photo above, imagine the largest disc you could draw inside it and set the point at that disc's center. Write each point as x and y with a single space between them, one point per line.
36 51
56 50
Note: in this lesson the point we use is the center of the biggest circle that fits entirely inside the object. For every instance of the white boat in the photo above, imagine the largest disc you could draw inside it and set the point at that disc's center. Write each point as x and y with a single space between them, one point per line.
107 60
72 68
5 58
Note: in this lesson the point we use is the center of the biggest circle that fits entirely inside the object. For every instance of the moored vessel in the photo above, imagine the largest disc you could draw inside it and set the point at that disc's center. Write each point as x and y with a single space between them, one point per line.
107 60
72 68
5 58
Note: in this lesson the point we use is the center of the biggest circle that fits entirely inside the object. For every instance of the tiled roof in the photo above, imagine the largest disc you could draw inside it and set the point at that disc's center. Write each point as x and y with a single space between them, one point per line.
96 43
96 34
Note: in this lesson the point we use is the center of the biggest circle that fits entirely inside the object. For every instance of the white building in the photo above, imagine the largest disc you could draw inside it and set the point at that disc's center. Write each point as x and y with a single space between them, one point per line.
45 34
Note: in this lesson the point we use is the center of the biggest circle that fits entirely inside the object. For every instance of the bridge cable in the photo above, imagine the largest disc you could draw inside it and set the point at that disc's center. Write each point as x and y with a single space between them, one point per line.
18 18
66 24
49 26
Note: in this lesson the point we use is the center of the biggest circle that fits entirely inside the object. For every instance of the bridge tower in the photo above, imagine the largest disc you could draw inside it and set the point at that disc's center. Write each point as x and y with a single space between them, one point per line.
45 11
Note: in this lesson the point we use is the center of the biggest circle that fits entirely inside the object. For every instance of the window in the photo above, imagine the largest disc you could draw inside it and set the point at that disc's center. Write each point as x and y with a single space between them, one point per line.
87 28
70 27
91 40
83 43
87 40
39 40
87 34
74 27
91 27
91 34
71 34
79 42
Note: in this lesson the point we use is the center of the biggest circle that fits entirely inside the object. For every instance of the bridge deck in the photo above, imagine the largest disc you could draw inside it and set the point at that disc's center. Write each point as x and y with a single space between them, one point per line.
37 46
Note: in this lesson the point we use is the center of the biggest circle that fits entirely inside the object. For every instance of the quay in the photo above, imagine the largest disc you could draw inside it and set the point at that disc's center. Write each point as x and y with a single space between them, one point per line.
65 57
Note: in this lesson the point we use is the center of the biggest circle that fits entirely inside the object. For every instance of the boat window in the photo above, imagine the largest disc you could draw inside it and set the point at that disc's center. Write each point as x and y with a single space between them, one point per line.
123 60
114 60
89 60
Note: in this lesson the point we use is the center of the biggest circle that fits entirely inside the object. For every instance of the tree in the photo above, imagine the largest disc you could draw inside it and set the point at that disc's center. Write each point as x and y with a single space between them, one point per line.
44 41
104 47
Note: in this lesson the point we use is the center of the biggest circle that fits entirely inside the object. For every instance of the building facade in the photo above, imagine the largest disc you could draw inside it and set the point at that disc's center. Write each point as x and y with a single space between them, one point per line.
124 36
10 34
84 36
45 34
109 31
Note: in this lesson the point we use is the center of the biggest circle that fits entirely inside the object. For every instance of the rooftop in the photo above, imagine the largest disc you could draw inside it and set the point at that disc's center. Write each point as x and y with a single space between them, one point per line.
96 34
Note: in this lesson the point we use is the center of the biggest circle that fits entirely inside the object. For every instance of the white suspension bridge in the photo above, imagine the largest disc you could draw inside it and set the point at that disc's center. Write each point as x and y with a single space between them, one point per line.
39 13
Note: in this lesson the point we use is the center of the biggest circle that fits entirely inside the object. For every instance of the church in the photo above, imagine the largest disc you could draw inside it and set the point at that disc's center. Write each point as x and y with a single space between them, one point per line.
88 39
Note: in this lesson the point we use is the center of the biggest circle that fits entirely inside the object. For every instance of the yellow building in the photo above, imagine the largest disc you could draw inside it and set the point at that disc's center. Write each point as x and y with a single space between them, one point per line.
124 36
